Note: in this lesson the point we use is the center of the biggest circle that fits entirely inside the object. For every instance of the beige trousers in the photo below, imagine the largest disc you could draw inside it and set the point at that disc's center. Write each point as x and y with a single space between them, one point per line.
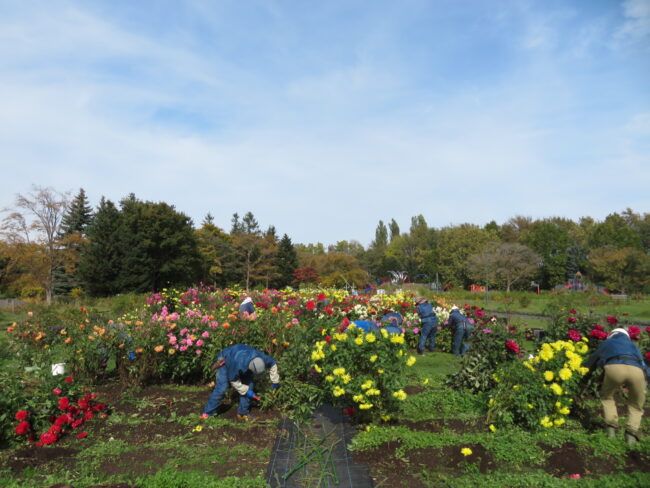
617 375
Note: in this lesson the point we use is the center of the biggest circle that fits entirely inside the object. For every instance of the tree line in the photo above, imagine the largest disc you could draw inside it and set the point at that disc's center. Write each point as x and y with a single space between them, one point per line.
52 245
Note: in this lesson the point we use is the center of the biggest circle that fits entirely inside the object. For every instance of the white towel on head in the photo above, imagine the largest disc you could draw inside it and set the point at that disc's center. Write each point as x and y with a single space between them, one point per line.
618 330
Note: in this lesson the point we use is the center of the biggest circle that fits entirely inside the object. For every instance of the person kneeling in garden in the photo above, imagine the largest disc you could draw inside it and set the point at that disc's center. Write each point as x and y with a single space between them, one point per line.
238 365
624 366
462 330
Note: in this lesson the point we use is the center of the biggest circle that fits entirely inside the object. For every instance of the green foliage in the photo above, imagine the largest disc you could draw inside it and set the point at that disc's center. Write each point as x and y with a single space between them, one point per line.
487 353
174 478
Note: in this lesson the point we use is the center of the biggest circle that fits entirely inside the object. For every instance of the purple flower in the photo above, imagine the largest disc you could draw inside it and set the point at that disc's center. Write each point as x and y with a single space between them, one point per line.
487 331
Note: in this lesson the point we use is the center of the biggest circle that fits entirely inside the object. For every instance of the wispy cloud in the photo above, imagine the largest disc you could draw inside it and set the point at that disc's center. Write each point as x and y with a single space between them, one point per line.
324 122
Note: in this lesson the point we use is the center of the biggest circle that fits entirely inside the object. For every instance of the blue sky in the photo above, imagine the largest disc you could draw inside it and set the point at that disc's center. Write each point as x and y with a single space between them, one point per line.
323 117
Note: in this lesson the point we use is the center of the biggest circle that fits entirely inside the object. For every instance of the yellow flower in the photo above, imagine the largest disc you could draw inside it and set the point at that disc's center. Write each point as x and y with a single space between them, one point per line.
558 422
530 406
333 347
583 371
367 384
329 378
373 358
358 341
380 371
384 334
370 337
557 389
565 374
516 387
466 451
359 398
492 428
171 351
346 378
400 395
365 406
491 402
548 375
198 428
373 391
397 338
426 381
546 422
410 361
318 368
385 418
338 391
338 372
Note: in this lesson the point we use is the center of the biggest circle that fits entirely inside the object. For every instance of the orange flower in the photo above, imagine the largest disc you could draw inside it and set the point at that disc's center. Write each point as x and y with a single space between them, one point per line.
287 325
225 325
139 350
285 343
211 317
10 329
121 346
274 310
158 348
63 332
39 336
68 340
82 326
138 322
172 326
274 341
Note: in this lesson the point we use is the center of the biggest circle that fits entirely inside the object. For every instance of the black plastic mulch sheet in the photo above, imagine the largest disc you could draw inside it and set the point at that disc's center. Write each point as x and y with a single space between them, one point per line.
327 422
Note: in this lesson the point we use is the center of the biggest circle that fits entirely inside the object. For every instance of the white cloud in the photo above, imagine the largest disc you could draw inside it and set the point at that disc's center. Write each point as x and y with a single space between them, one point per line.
637 15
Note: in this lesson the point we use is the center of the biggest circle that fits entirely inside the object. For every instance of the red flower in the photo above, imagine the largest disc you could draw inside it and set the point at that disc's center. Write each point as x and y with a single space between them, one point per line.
47 438
513 346
598 327
81 435
22 428
56 391
572 320
647 356
573 311
612 320
598 334
634 332
21 414
349 411
68 379
321 297
574 335
64 403
88 415
77 423
329 310
310 305
328 339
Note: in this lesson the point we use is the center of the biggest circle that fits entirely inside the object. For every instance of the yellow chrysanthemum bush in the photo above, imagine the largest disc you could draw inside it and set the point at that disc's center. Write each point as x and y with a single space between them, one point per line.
539 392
363 372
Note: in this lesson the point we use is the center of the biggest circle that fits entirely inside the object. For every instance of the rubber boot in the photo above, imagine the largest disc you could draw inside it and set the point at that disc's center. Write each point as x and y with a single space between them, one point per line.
611 432
631 438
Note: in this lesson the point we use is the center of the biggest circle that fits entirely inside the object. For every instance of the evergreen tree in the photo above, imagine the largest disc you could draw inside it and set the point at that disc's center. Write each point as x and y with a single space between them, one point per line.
250 225
100 258
287 262
72 233
158 245
237 227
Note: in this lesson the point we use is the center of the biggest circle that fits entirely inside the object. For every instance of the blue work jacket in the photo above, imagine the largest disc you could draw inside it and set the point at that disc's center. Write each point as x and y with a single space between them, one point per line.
237 359
618 349
457 319
427 314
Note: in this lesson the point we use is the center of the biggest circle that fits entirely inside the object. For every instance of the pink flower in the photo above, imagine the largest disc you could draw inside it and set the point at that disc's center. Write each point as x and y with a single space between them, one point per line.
172 340
416 330
572 320
199 343
575 476
487 331
198 352
183 348
573 311
184 331
612 320
205 335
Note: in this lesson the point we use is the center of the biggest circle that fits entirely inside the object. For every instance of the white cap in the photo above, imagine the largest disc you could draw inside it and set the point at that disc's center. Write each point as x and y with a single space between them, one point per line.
256 365
247 300
454 307
618 330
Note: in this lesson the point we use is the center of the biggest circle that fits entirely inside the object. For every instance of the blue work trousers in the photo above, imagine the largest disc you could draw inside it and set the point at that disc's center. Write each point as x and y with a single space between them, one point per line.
461 334
220 389
428 332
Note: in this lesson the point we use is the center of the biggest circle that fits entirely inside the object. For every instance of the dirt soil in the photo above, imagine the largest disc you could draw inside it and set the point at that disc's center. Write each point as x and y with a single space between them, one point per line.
389 469
149 406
